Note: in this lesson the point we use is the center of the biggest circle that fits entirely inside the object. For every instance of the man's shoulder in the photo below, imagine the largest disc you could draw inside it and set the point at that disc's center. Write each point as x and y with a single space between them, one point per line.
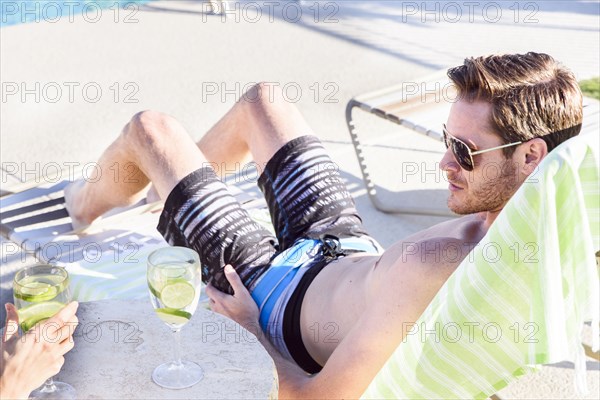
443 245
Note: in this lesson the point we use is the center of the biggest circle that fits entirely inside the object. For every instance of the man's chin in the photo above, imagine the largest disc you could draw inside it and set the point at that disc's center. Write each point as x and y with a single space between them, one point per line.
459 209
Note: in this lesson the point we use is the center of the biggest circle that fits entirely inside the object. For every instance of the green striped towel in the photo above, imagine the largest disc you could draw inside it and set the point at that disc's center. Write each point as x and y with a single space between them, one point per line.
519 299
111 262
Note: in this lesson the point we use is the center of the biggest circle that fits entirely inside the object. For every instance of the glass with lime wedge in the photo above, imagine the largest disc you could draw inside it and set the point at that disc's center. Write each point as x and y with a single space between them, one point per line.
174 283
40 292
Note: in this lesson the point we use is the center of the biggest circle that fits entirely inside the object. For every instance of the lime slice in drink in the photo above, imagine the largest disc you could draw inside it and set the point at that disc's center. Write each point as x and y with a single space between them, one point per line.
177 295
153 290
36 292
173 317
29 316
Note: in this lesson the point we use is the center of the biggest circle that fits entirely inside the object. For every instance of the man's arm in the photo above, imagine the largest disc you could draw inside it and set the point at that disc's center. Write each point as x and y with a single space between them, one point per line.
409 288
292 379
347 373
241 308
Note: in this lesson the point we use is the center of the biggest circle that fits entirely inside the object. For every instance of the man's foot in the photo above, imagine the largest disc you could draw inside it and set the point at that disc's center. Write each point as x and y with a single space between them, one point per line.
74 204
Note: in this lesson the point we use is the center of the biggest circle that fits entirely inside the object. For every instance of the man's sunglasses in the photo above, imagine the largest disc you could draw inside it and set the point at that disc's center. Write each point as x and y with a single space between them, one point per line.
463 153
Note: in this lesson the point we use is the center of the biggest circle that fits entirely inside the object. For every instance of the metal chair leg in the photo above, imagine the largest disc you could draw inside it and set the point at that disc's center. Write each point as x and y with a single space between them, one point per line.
371 189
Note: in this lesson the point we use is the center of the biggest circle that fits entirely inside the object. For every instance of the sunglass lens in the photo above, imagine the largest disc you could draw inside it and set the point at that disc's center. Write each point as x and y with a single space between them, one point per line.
461 152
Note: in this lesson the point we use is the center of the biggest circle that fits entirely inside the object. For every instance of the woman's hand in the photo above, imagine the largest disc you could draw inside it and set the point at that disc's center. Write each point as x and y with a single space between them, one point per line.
240 307
28 361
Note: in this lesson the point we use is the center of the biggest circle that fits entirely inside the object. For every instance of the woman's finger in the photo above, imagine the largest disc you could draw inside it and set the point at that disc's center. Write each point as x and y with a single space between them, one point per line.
12 322
61 318
66 332
66 345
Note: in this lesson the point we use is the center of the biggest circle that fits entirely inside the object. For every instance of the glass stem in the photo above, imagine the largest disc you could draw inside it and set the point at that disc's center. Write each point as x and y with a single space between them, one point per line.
177 347
48 386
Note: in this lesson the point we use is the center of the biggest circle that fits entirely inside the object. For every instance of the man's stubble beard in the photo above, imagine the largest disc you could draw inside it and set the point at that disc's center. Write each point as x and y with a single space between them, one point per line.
492 195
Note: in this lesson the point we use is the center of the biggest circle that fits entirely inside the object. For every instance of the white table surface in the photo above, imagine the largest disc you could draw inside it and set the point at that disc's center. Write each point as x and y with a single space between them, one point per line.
119 343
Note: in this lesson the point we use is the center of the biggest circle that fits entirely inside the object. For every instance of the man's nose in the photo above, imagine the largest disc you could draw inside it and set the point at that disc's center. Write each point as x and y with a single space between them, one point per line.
448 163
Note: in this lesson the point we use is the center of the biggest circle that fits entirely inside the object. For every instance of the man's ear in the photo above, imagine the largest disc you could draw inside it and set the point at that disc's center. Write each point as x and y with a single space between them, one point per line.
534 151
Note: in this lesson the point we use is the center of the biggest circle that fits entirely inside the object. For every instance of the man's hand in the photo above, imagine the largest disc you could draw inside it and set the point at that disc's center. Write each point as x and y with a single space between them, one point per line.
28 361
240 307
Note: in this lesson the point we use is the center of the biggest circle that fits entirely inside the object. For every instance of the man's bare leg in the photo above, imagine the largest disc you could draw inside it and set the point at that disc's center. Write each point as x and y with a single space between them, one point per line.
154 147
258 125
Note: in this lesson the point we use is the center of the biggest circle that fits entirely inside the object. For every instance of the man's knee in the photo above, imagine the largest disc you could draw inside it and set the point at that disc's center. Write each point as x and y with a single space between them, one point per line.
147 127
263 96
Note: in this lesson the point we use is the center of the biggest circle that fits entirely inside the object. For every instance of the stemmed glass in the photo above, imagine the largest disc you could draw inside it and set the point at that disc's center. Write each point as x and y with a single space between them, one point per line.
40 292
174 282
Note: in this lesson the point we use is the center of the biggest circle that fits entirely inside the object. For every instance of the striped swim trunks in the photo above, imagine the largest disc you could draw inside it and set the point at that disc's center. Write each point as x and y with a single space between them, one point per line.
306 197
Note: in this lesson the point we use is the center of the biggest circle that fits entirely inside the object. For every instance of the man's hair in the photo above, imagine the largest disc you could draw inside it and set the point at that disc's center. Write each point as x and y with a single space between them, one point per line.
532 95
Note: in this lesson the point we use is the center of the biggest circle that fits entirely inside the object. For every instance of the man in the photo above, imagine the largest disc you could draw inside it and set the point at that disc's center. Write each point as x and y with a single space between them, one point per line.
333 307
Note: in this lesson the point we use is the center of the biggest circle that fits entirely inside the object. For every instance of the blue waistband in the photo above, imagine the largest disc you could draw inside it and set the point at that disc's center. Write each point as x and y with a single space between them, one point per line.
286 265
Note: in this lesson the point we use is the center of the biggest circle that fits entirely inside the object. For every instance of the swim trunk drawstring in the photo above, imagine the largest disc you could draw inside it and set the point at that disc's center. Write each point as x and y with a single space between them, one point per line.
332 248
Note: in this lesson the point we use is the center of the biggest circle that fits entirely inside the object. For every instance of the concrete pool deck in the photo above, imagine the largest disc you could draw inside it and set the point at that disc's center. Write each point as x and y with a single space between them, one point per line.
70 86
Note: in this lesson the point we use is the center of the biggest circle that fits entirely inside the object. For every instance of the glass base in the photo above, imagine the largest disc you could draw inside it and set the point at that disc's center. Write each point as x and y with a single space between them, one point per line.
57 390
177 376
